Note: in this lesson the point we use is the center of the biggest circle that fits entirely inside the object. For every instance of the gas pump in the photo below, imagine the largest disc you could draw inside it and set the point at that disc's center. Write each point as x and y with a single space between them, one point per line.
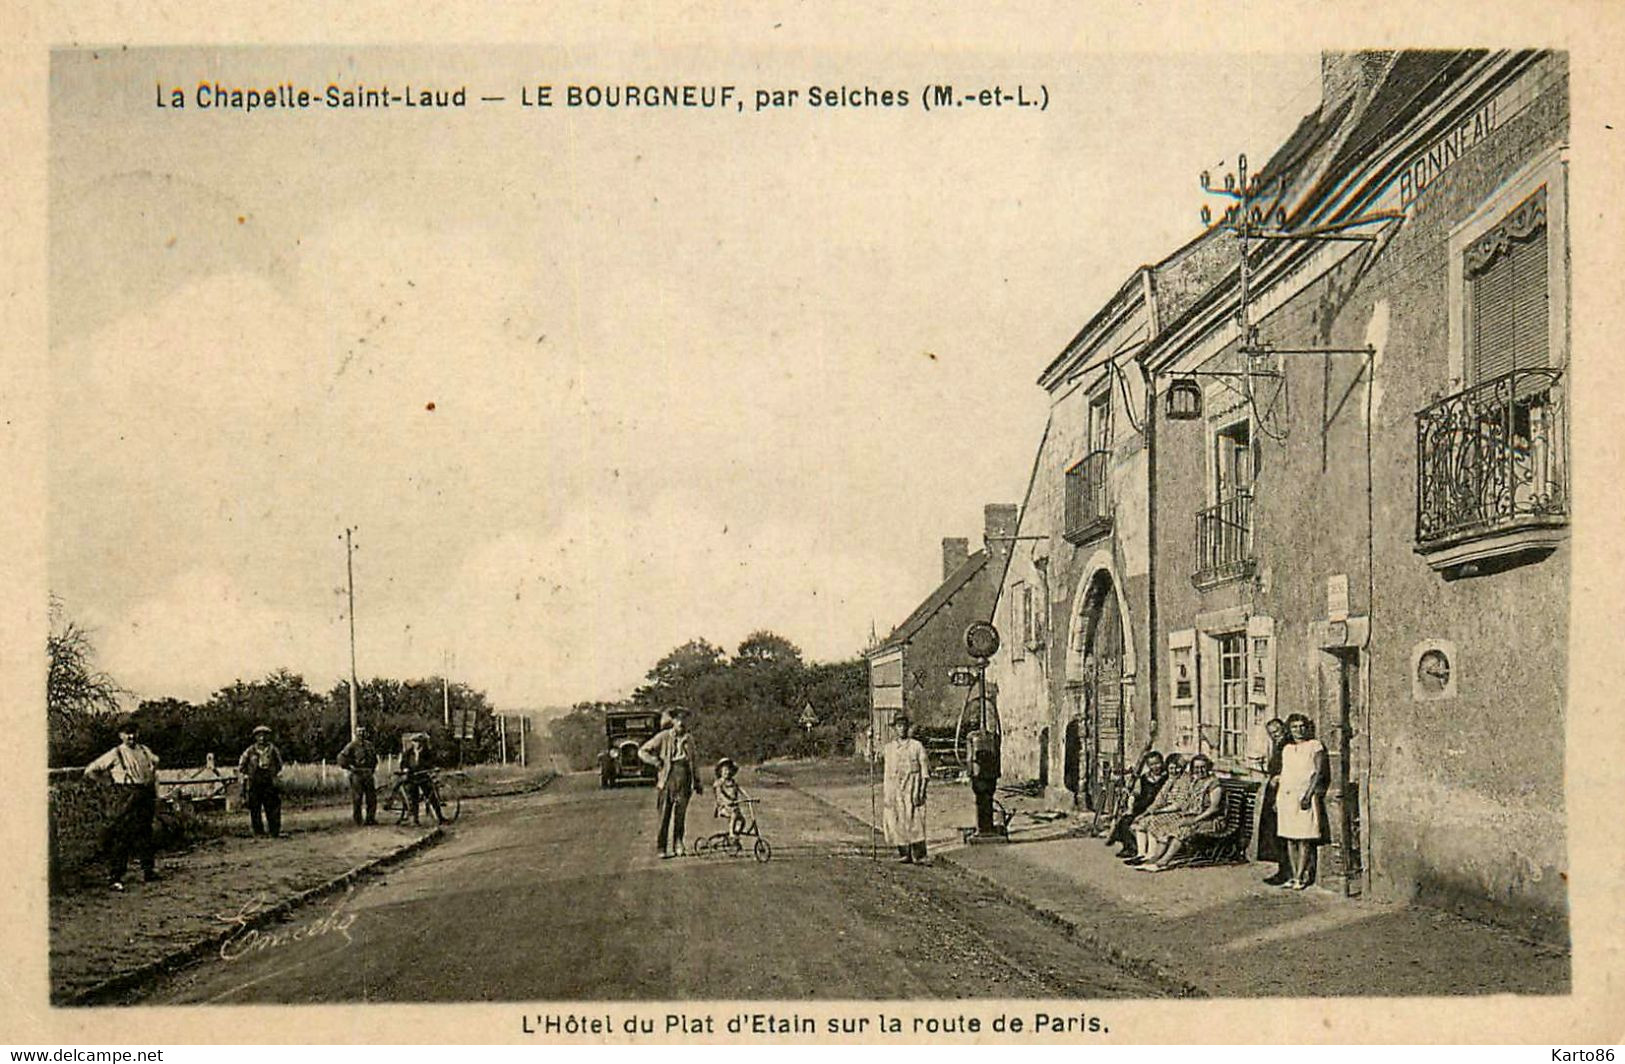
979 743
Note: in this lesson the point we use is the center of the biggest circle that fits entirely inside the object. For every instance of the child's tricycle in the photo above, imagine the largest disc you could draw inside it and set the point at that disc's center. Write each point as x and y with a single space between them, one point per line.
742 829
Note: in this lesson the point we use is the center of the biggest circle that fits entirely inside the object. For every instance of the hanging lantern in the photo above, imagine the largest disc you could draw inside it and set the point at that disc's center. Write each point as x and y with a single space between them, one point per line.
1184 402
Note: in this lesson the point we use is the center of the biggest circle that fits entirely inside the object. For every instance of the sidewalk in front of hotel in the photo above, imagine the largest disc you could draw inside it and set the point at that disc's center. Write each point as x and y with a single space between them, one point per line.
1221 931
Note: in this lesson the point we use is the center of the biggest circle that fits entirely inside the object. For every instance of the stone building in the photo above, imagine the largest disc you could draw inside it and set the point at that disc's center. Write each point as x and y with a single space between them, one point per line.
911 667
1353 476
1072 608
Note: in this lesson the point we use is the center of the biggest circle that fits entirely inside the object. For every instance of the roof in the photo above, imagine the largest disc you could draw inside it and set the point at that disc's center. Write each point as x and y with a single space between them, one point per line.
1131 289
1415 79
933 603
1322 150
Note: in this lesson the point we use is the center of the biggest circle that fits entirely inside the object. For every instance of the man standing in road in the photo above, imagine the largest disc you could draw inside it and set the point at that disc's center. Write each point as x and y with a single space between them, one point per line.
132 770
907 769
259 767
360 760
673 753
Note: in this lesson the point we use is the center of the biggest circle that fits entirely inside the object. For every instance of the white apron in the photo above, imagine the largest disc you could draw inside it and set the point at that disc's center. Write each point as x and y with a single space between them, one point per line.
905 776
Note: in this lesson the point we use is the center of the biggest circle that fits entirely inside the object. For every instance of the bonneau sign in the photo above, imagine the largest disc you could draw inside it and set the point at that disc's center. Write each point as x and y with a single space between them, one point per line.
1442 153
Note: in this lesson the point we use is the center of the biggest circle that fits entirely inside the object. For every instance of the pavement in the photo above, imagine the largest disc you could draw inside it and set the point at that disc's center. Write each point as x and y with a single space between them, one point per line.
219 893
1217 931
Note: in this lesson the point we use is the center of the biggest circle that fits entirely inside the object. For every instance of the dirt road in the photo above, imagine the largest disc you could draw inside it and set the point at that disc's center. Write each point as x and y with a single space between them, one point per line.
561 896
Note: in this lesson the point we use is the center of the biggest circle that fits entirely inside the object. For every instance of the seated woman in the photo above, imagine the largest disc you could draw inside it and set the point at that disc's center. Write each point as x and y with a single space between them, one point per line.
1149 776
1170 798
1202 815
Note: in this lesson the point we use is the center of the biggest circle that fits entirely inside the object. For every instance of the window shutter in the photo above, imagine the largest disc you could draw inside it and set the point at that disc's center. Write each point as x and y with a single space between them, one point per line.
1493 328
1506 269
1261 668
1530 323
1018 606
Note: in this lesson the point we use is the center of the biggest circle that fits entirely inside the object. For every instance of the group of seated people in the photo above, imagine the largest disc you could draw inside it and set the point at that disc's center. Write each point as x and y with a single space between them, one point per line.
1172 801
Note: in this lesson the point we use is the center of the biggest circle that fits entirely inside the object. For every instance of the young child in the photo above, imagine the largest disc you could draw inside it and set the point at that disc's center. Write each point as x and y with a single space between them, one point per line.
730 796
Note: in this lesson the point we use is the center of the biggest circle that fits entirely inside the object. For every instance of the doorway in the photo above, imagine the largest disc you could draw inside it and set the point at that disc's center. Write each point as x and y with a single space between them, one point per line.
1342 719
1072 751
1103 695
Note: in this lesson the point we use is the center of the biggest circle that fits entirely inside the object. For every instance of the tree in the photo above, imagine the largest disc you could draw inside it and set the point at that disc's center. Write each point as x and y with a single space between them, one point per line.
676 677
762 647
579 734
305 726
82 702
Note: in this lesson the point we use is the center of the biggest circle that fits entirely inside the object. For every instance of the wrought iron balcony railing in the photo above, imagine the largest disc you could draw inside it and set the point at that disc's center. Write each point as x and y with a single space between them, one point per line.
1088 507
1491 459
1224 541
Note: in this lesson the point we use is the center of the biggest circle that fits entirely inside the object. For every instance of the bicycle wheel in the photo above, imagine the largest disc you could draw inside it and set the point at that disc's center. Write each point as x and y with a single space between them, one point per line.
762 851
451 806
402 807
702 843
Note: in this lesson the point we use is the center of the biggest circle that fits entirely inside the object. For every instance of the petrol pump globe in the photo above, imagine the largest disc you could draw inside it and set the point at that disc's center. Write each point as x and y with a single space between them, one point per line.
982 640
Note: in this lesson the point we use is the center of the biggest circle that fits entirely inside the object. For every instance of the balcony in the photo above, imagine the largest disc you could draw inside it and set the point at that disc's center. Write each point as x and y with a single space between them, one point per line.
1491 474
1087 504
1224 542
1088 507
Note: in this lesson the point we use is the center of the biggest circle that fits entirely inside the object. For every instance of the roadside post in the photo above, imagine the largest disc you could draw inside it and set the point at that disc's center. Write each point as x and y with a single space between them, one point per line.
981 744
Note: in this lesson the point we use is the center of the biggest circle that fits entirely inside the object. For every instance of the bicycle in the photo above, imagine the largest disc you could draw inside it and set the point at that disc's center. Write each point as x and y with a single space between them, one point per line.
435 789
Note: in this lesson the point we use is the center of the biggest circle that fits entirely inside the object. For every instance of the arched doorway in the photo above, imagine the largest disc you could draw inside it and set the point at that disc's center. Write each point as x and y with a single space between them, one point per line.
1102 692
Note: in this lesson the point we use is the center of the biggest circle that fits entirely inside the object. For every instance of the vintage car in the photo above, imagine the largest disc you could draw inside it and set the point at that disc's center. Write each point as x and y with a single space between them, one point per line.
624 732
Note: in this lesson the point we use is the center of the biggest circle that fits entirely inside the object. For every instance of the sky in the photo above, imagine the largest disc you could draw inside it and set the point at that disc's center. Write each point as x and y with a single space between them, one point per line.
586 383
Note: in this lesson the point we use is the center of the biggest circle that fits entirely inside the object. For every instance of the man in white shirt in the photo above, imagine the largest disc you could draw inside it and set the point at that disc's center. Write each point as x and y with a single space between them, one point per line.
132 771
672 751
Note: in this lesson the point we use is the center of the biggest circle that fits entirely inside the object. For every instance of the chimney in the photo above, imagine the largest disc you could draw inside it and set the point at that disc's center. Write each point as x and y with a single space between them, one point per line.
998 525
955 552
1345 74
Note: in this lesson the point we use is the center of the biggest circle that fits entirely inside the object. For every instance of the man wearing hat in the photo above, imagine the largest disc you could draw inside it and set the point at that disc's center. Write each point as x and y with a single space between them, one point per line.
417 771
673 753
132 770
904 792
359 759
259 767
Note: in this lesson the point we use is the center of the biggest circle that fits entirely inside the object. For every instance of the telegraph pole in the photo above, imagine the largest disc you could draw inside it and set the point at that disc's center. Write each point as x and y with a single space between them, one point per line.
445 688
349 570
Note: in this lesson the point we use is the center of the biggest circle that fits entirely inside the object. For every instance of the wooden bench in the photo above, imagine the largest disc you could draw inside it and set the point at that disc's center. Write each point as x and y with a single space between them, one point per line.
1240 800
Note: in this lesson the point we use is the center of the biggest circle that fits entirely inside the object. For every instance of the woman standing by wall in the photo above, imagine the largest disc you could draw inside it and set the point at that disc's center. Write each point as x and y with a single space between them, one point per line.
1298 804
1270 846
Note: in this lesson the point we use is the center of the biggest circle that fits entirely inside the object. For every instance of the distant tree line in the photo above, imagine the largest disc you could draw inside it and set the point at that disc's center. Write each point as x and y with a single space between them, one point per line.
84 714
763 702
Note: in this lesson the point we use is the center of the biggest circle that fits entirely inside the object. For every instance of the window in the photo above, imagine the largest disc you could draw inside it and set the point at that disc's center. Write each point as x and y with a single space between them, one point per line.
1233 462
1224 530
1233 695
1508 320
1088 509
1100 419
1032 618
